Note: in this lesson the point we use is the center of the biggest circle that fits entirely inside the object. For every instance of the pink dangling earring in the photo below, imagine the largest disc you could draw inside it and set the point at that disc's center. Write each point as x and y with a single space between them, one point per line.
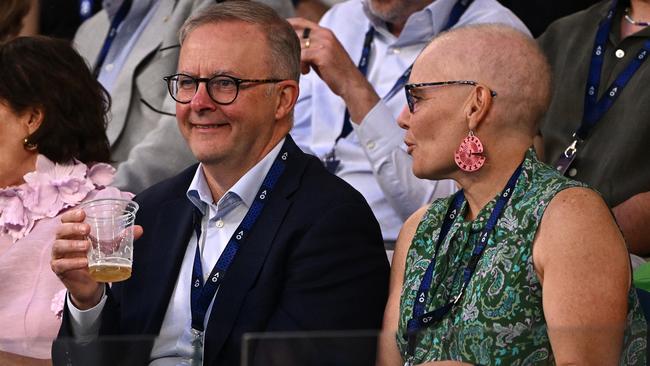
469 155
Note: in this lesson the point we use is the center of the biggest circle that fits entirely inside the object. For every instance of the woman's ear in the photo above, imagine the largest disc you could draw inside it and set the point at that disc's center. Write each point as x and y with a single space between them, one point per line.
477 106
35 120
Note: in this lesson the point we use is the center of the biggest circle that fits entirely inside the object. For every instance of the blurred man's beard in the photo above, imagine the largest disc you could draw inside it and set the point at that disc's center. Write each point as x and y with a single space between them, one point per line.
391 14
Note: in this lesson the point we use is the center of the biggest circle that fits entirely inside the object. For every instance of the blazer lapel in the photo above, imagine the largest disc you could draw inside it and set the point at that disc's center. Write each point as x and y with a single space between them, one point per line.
90 37
251 256
149 41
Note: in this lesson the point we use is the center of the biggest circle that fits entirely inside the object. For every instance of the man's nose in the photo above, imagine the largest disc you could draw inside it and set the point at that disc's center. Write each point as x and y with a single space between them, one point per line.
201 99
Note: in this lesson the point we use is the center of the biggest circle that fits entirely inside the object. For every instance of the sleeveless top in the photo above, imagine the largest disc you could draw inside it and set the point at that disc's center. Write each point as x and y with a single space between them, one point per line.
499 320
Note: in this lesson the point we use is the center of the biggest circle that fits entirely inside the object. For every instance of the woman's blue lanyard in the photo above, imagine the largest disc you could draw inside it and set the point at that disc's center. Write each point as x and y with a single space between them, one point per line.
330 161
112 33
422 320
595 109
202 294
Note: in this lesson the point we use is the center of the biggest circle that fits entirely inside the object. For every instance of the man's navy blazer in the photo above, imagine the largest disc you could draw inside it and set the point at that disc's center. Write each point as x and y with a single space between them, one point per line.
314 260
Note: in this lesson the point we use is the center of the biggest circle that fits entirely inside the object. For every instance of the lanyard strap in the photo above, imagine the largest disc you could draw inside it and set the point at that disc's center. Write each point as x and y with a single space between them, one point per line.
112 32
595 109
422 320
202 294
456 12
363 68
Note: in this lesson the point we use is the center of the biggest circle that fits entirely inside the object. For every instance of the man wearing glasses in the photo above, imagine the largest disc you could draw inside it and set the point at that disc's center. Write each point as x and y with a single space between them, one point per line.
361 54
130 44
258 237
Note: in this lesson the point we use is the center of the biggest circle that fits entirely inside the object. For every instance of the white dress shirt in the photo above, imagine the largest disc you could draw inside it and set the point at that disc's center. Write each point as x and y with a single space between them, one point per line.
172 347
373 157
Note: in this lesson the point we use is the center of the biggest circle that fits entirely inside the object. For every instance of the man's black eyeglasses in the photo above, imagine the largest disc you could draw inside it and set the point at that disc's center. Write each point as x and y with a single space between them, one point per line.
222 89
412 99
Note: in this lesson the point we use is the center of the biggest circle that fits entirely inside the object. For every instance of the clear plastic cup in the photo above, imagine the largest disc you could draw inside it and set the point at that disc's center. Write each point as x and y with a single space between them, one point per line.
111 236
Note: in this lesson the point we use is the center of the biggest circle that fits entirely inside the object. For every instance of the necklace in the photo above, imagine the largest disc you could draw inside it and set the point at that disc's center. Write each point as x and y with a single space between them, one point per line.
629 19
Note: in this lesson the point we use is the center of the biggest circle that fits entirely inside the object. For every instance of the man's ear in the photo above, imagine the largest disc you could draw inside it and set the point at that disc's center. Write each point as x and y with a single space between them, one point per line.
477 106
287 97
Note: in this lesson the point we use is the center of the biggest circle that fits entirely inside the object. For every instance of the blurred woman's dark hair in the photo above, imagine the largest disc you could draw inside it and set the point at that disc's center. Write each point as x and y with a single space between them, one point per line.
12 13
49 74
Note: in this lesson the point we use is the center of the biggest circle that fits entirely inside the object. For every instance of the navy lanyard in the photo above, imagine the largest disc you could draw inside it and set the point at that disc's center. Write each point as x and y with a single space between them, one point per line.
363 68
202 294
595 109
112 32
422 320
456 12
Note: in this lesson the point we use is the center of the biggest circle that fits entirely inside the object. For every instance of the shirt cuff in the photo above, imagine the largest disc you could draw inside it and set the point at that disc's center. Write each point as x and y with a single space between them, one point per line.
378 132
85 323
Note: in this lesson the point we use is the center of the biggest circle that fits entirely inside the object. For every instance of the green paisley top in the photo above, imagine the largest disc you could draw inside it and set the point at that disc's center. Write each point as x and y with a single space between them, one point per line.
499 320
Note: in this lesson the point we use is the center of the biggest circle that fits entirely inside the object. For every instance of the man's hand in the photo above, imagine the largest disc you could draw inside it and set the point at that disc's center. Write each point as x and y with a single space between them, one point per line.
323 52
69 261
633 217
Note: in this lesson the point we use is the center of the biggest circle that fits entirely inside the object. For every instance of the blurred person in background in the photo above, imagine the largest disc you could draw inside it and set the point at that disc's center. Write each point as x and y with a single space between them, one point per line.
596 128
53 18
12 14
360 55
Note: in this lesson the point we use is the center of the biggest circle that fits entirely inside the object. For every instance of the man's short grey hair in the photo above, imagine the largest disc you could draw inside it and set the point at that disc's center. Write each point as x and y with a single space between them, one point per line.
280 36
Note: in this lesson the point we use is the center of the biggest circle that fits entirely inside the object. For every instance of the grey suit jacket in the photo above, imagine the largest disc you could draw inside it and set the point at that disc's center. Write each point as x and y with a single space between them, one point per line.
145 145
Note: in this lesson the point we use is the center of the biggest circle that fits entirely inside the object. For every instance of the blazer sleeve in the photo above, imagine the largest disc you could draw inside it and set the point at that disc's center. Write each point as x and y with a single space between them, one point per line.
108 349
66 350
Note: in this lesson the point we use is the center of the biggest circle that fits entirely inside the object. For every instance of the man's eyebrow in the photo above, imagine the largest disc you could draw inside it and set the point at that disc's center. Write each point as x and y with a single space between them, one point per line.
211 74
224 72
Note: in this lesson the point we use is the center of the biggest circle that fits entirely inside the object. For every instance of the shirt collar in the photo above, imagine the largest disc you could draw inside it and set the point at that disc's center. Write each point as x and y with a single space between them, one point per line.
245 188
420 27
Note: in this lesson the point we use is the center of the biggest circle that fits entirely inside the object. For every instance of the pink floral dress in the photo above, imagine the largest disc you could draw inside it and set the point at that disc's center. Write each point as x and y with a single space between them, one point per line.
31 296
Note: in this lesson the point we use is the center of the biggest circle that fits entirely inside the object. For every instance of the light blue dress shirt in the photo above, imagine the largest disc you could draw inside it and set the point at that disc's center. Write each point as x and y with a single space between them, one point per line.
373 157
